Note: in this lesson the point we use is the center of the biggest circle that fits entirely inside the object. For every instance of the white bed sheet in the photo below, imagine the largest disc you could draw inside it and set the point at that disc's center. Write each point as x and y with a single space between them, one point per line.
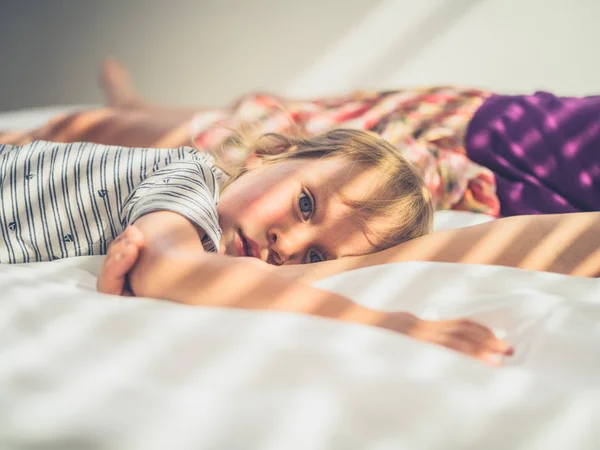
83 370
87 371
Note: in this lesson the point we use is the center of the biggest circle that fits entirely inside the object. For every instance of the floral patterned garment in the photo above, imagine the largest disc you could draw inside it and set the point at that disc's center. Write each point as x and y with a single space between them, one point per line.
427 125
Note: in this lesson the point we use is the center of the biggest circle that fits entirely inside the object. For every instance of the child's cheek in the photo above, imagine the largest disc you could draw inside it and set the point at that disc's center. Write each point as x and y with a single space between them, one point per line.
259 206
265 207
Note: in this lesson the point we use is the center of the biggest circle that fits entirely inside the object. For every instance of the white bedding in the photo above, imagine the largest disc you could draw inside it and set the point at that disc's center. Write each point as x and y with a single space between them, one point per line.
79 370
82 370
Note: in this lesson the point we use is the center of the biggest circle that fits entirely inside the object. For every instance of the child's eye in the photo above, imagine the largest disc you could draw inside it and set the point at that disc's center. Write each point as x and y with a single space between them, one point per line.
305 203
314 257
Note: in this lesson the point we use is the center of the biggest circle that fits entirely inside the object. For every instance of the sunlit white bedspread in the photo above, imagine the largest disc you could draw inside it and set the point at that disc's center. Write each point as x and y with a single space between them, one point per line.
87 371
79 370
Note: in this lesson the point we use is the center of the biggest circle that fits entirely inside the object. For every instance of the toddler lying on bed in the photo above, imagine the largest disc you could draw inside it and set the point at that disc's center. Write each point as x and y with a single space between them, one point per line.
338 195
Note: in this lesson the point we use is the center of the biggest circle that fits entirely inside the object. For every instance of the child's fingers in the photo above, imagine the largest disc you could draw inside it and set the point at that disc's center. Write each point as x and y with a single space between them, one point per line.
481 336
501 347
117 246
134 235
476 340
130 237
485 340
493 359
491 350
120 260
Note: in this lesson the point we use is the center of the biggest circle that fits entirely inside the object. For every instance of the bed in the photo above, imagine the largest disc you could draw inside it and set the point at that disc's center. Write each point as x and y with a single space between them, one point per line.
82 370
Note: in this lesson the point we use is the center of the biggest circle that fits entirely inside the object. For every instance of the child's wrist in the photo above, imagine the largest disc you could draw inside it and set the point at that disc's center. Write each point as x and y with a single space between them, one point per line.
401 322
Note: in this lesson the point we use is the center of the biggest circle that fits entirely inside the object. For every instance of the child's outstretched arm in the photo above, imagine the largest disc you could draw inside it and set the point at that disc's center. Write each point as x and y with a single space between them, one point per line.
561 243
169 263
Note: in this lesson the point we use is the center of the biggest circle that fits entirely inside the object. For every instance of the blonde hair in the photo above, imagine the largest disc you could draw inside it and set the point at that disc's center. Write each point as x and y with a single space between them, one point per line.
402 197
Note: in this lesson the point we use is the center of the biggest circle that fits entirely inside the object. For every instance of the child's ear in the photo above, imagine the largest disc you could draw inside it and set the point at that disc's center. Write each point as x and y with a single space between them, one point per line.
253 161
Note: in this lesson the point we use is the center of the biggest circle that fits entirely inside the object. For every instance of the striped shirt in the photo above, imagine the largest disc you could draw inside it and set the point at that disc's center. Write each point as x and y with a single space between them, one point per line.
63 200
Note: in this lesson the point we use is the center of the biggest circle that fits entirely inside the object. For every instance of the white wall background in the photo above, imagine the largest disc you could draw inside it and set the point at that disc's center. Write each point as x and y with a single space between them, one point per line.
206 52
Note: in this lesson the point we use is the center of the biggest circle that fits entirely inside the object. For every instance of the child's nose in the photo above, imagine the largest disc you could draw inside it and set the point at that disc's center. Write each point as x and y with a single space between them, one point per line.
280 247
286 246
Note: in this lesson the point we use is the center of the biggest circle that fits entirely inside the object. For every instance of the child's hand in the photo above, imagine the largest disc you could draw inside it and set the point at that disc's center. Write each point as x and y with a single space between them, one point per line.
120 259
468 337
462 335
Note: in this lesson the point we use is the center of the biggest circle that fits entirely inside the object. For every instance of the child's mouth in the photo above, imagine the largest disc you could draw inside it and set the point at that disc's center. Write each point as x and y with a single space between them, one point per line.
246 247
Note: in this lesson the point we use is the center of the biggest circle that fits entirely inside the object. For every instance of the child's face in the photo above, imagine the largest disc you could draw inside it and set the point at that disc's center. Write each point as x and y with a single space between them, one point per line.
292 212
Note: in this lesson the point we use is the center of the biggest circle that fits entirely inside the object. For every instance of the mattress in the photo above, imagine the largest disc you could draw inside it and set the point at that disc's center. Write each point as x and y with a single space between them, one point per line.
83 370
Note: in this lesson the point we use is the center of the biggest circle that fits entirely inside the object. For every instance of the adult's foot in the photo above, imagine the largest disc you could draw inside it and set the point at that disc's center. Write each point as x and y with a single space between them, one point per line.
115 82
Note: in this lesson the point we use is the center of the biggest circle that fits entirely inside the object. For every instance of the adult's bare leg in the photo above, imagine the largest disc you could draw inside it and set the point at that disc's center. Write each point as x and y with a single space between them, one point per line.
128 120
119 92
112 126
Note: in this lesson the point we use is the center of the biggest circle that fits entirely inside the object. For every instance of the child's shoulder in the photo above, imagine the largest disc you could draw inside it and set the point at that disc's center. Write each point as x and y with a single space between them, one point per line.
207 160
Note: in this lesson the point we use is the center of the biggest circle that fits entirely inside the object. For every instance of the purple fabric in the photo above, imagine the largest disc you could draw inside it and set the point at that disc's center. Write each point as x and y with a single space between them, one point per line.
543 149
